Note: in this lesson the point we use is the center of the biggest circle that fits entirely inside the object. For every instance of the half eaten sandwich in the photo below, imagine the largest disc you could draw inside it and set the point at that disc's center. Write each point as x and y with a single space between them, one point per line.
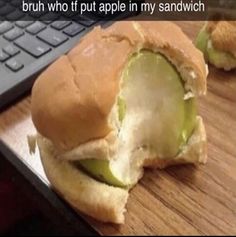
217 40
124 99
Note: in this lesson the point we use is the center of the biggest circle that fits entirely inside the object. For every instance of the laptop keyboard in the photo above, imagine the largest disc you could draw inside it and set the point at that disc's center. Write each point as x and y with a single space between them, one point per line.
36 37
28 43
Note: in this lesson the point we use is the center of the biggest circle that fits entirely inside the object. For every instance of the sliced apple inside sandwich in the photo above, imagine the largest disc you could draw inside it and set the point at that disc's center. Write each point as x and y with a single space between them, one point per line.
155 119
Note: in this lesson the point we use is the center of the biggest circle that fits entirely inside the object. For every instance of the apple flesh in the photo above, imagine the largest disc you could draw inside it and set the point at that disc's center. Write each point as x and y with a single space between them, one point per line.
154 94
155 119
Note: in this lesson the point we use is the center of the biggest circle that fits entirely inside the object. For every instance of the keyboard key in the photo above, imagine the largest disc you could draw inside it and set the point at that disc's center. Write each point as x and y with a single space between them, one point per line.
32 45
86 21
11 50
52 37
14 16
14 65
5 26
24 23
73 29
3 56
35 28
59 25
6 10
13 34
47 22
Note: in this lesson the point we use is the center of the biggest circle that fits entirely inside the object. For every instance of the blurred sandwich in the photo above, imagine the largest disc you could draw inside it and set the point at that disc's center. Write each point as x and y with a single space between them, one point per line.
217 41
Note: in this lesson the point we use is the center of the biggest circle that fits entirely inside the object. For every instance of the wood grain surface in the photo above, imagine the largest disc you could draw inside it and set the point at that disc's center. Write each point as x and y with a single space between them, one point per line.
183 200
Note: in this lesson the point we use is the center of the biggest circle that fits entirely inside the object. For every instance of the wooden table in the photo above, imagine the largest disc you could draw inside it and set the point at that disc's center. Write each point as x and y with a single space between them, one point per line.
180 200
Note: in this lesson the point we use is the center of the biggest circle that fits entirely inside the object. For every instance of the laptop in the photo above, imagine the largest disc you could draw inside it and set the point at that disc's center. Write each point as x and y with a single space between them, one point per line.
30 42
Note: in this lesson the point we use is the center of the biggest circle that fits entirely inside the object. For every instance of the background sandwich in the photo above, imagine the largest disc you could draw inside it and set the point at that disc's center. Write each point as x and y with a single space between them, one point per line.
217 40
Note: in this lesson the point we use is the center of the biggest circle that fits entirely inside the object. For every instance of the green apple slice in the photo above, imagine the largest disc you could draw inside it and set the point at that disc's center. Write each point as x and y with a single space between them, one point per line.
101 170
202 40
155 119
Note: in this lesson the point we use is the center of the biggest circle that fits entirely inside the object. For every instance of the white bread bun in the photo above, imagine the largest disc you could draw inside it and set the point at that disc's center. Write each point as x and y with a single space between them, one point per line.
85 194
73 105
84 84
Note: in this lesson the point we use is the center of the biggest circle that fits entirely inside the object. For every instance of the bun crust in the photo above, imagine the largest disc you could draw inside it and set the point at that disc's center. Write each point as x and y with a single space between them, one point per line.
85 194
73 98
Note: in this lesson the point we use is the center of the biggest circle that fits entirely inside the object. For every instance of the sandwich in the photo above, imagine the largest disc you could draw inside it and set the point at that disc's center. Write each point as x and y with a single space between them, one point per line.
217 41
124 99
